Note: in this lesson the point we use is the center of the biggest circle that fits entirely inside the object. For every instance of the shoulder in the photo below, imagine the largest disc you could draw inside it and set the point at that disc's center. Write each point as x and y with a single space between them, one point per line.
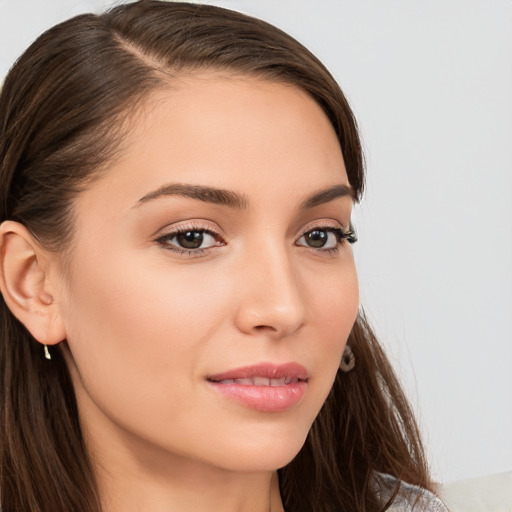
409 498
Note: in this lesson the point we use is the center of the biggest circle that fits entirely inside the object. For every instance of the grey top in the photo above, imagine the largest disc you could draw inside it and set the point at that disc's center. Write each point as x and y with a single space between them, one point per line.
410 498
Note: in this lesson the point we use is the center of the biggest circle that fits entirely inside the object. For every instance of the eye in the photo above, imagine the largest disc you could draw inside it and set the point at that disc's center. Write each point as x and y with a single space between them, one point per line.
326 238
190 240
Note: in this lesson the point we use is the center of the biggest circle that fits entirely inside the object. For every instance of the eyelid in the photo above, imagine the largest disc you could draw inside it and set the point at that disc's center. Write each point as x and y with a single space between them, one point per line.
325 224
192 225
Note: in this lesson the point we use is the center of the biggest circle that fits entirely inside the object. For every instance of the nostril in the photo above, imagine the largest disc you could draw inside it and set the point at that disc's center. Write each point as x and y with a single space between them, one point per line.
264 328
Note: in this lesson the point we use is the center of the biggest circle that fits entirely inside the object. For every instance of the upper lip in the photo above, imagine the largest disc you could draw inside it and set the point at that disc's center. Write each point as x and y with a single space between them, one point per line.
268 370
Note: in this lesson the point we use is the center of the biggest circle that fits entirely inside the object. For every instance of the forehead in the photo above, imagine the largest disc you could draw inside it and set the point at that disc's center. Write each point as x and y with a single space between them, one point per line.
227 131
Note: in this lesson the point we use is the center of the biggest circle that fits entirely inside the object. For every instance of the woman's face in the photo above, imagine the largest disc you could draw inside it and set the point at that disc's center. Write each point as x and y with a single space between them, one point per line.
207 260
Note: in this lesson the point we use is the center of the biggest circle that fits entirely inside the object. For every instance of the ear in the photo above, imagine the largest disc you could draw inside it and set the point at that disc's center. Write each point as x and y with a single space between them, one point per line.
25 283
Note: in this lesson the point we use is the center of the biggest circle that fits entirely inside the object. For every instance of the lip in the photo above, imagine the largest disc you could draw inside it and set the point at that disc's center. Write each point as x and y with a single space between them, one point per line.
287 390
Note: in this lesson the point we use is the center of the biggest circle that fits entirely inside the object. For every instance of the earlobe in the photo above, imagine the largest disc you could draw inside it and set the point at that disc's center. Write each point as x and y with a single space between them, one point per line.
25 285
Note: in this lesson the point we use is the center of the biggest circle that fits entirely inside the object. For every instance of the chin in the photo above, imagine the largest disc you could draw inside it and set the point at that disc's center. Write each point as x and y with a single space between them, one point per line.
260 461
257 453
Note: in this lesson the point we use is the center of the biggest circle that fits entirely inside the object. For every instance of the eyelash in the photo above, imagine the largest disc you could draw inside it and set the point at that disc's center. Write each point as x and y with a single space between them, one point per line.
342 235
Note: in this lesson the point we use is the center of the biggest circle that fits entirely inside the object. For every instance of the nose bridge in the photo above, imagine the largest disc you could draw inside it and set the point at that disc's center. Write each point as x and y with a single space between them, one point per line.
271 298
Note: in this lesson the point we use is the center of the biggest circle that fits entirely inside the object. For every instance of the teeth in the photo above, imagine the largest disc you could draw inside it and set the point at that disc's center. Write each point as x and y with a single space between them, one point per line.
261 381
245 382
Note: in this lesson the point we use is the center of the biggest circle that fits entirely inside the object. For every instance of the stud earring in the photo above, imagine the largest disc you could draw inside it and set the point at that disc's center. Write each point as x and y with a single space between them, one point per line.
47 352
348 360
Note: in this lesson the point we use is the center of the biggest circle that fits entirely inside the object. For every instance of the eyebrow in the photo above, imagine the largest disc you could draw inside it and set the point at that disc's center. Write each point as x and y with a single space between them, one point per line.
200 192
328 194
239 201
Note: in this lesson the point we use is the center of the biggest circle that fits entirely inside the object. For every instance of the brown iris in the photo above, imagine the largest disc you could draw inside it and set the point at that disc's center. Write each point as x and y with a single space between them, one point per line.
316 238
190 239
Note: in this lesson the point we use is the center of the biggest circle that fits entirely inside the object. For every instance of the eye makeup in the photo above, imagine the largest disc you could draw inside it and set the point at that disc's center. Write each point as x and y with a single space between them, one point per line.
196 239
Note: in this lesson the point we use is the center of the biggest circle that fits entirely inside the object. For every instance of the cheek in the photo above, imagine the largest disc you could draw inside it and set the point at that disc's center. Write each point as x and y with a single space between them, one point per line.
333 300
137 333
333 296
129 305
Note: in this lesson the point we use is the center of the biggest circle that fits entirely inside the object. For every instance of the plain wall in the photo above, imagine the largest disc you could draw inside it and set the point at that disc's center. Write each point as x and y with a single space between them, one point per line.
431 86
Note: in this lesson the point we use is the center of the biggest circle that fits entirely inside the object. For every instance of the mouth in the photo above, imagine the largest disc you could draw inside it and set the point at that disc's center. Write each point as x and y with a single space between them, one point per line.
265 387
260 381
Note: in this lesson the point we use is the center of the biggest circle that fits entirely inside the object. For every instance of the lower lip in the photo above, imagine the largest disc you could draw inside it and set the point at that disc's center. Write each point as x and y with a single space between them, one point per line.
264 398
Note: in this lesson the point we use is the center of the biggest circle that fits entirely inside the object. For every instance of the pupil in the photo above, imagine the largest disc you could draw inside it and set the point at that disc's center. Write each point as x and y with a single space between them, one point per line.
317 238
190 239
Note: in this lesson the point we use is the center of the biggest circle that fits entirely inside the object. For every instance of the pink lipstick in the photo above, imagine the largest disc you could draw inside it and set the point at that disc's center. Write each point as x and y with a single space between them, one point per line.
265 387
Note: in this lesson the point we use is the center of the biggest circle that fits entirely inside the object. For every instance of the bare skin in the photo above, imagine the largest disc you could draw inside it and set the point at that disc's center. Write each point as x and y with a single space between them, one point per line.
149 321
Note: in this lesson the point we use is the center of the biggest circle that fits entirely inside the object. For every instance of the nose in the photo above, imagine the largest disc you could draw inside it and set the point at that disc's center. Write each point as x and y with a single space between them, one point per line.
271 299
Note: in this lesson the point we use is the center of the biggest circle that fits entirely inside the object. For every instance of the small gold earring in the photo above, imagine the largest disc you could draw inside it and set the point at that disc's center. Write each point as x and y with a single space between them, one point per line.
47 352
348 360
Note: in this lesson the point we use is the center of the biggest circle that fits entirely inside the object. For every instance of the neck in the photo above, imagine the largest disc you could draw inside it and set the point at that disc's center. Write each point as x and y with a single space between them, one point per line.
196 492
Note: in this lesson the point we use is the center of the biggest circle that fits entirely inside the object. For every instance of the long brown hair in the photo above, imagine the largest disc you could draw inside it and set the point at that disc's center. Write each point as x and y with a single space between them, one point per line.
62 113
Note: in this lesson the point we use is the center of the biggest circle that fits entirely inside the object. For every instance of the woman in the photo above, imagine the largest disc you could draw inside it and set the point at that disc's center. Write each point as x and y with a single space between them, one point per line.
180 326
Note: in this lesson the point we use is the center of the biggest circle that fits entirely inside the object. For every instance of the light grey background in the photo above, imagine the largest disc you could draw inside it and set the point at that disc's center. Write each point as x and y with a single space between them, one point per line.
431 85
